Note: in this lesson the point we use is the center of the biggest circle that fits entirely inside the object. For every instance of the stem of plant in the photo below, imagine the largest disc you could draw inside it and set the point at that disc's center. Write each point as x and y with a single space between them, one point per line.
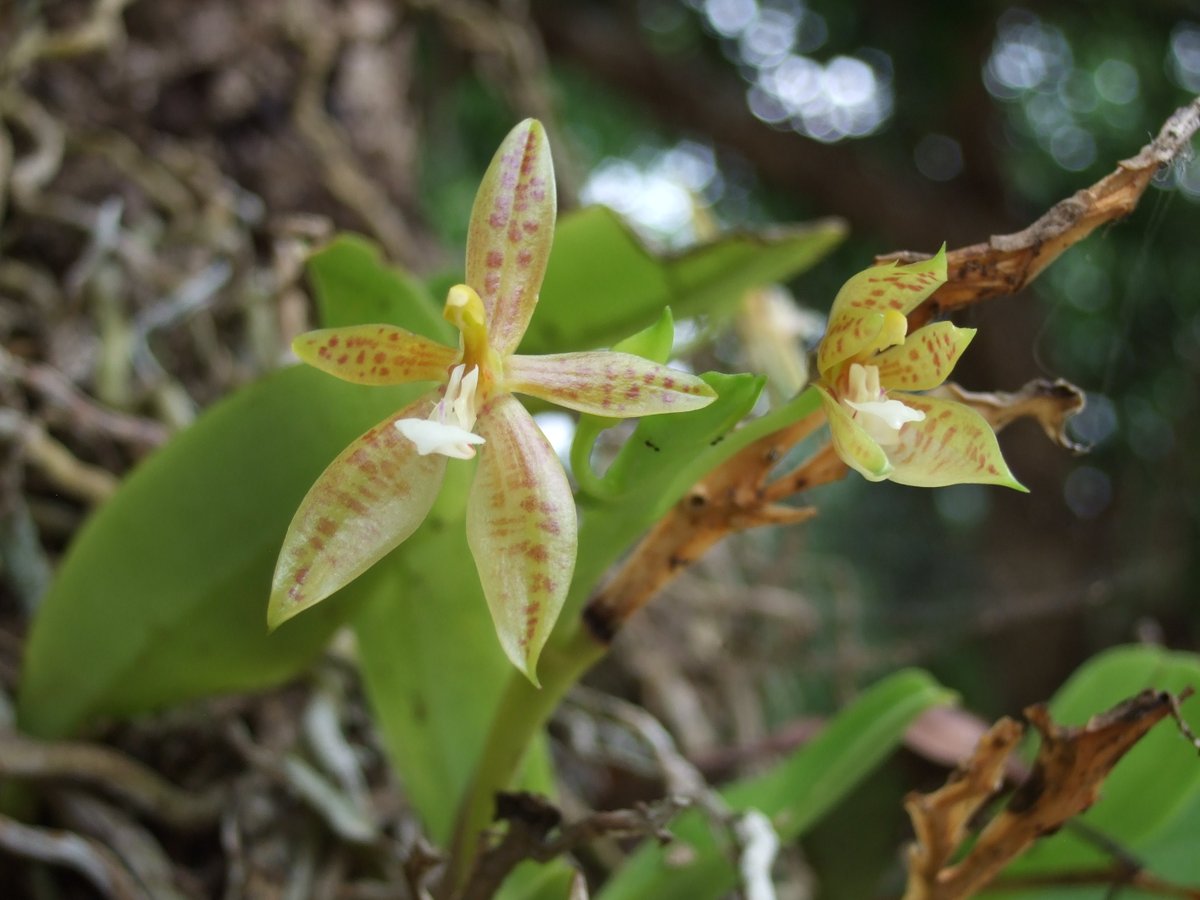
684 534
522 713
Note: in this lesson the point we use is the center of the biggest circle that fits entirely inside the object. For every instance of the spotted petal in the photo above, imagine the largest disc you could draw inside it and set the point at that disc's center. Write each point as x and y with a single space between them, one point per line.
857 315
925 359
607 383
952 445
522 530
368 500
857 449
512 226
375 354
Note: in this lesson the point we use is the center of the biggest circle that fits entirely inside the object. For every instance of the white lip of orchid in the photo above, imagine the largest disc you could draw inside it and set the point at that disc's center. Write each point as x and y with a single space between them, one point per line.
878 416
448 429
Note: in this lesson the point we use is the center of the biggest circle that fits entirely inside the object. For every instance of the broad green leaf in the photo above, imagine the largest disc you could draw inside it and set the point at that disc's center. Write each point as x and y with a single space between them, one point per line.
430 661
162 597
794 794
1170 853
534 881
603 282
355 286
1153 785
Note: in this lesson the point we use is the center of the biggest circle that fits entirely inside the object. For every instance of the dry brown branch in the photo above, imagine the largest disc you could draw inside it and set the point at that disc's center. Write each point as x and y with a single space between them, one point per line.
1071 765
940 819
1050 403
1007 263
733 497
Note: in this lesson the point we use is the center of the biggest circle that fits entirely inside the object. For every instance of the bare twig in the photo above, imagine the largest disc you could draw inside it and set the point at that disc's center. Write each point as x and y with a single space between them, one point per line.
531 822
507 47
735 495
345 814
732 497
1007 263
134 844
1180 721
85 414
96 863
92 764
344 174
1050 403
64 470
102 28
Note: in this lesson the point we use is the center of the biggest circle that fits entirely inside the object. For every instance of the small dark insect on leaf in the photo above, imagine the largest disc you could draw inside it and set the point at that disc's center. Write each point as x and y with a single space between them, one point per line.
653 446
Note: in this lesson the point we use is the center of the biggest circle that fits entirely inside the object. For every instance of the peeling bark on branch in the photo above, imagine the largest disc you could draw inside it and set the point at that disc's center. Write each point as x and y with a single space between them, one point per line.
1007 263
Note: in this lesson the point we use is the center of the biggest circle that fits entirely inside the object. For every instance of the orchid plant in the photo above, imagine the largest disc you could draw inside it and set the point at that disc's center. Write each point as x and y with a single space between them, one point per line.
521 523
869 365
456 733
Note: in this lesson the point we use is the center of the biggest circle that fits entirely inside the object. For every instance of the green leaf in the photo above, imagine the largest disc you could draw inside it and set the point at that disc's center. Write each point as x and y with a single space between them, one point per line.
663 457
354 286
162 597
654 342
603 282
1153 785
539 881
1170 852
430 660
794 794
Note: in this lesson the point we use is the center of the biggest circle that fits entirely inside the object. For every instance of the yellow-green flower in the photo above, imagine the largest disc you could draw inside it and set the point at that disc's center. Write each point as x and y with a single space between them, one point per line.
521 524
868 366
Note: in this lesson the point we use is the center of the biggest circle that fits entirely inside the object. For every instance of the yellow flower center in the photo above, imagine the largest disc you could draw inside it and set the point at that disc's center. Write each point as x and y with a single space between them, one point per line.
464 310
893 332
448 429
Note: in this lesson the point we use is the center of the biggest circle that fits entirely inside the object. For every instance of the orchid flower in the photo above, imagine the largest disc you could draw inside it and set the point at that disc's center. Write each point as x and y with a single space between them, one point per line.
521 524
868 364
